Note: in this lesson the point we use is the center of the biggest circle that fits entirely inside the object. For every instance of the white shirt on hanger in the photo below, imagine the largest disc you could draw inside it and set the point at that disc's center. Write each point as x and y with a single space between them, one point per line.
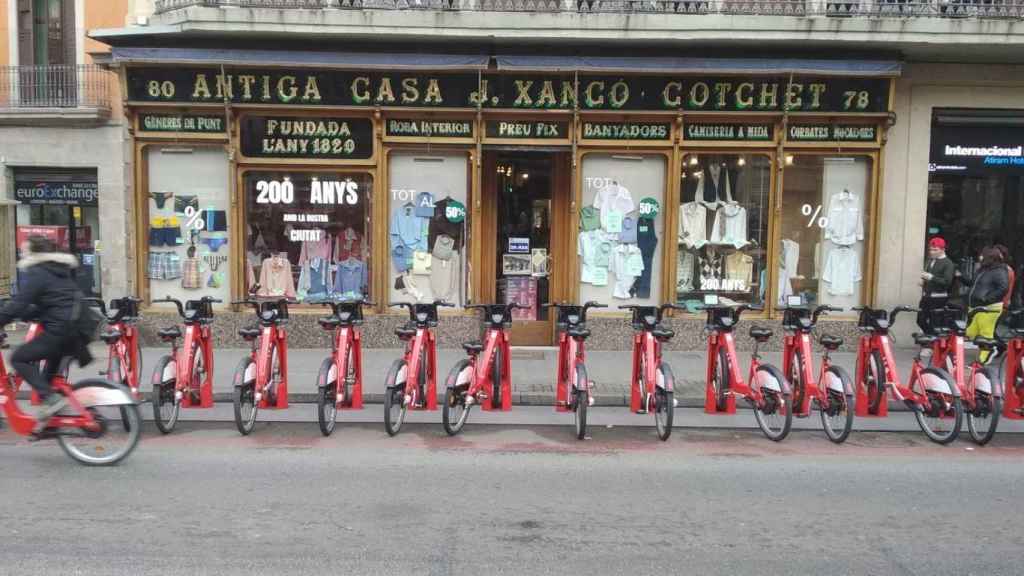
730 226
788 263
842 270
845 225
693 225
627 264
614 198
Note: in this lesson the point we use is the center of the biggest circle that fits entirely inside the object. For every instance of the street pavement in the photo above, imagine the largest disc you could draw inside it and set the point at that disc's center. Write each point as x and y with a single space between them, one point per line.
513 500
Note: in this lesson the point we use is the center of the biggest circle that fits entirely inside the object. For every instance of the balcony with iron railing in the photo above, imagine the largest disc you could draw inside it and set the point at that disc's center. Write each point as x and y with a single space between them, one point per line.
953 9
58 93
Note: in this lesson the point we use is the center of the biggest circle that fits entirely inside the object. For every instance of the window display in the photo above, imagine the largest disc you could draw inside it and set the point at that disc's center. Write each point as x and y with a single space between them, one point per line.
722 228
620 225
824 215
308 234
187 222
428 227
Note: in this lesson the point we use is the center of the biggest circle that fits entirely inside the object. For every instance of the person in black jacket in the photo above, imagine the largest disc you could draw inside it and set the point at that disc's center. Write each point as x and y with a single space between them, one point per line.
936 283
46 294
990 286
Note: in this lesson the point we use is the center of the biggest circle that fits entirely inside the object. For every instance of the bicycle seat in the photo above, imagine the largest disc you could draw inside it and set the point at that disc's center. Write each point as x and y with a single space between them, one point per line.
987 344
405 332
473 347
662 333
172 333
581 333
760 334
831 342
111 336
328 322
924 340
250 334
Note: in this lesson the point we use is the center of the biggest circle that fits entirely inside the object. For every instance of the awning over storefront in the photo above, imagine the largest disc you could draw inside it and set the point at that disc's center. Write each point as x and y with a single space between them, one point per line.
298 59
674 65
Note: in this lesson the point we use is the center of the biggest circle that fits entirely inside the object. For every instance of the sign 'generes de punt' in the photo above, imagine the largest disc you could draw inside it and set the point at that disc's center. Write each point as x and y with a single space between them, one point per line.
518 91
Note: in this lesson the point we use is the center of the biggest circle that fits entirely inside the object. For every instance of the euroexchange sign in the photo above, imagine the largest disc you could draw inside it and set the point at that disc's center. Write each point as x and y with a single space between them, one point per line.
58 189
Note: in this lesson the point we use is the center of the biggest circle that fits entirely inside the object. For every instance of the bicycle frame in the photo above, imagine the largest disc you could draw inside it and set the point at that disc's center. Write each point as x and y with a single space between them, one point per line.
129 340
719 340
571 351
23 423
1014 400
801 342
424 340
482 370
881 343
646 353
195 335
344 338
34 329
263 358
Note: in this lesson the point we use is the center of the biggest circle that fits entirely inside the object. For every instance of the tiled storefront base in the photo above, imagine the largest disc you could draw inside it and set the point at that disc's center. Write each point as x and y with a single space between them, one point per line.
378 331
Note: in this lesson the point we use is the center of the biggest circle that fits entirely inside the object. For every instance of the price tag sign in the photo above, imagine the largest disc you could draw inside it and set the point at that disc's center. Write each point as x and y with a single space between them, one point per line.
455 211
613 222
649 208
599 276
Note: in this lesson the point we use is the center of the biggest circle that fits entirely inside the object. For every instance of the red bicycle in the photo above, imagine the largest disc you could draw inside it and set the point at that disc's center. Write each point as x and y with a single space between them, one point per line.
34 329
474 379
768 391
124 356
419 392
931 393
572 389
100 426
981 391
261 378
184 378
832 392
1013 407
652 384
346 360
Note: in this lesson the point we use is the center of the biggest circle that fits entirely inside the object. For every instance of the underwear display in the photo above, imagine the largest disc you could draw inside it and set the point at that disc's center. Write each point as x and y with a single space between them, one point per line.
160 198
165 232
215 220
214 243
181 202
164 266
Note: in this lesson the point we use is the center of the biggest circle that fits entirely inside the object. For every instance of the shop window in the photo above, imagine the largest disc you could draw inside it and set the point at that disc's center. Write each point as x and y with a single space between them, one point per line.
722 231
821 257
308 234
187 223
428 227
621 227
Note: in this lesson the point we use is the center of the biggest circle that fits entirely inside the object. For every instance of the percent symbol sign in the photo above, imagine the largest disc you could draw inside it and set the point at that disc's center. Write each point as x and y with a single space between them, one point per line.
193 218
813 212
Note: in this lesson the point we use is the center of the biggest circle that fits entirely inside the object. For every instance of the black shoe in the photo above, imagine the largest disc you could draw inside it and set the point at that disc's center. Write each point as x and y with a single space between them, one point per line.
51 406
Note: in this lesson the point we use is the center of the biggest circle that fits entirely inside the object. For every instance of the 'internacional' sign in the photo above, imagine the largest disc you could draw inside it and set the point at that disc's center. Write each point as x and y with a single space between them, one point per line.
514 91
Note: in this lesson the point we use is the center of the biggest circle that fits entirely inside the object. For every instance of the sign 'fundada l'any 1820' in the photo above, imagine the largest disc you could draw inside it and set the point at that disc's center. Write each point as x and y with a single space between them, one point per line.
515 91
334 138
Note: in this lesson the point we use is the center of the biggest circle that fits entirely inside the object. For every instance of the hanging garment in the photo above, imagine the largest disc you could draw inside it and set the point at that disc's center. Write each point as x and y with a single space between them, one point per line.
348 244
730 226
712 266
614 198
351 279
425 205
444 276
739 271
407 228
318 269
444 247
590 219
845 224
685 261
647 240
441 224
191 274
628 235
789 260
842 270
693 225
594 250
713 186
627 264
421 263
276 278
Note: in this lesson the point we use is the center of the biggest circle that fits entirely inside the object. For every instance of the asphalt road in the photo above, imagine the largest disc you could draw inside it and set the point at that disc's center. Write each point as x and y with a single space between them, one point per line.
514 500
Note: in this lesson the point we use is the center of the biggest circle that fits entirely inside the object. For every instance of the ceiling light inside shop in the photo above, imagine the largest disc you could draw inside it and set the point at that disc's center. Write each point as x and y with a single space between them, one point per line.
789 159
742 161
693 160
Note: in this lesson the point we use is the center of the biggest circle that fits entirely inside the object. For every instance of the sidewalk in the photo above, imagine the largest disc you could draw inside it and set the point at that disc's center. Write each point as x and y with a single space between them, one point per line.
533 370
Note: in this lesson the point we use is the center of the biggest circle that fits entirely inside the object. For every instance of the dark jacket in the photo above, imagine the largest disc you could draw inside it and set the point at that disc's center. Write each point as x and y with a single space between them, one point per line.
990 286
942 270
46 291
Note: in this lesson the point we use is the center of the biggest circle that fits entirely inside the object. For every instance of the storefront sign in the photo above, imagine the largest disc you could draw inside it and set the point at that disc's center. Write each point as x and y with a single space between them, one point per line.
455 211
321 192
57 234
429 128
626 131
976 149
528 129
730 132
56 187
193 123
519 245
320 138
518 91
832 133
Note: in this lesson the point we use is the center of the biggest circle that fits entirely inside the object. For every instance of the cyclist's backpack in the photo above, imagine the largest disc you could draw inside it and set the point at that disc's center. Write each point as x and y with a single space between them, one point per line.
85 321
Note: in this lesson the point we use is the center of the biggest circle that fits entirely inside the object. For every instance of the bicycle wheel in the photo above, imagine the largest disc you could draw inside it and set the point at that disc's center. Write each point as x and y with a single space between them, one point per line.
327 395
775 413
394 397
837 412
455 411
581 402
940 420
984 418
796 380
874 382
720 380
245 396
164 397
664 404
496 379
120 424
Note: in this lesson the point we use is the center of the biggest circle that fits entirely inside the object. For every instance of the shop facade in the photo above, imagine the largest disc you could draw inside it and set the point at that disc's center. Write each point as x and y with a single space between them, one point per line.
505 180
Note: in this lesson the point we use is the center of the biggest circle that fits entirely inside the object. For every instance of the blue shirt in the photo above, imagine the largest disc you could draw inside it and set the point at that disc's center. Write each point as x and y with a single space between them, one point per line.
350 278
408 228
425 205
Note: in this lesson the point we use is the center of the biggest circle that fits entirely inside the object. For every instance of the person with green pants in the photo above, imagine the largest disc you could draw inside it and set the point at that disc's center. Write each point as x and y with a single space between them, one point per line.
990 286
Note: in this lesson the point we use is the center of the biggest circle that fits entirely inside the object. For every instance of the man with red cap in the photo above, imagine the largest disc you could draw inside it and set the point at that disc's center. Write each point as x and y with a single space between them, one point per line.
936 282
